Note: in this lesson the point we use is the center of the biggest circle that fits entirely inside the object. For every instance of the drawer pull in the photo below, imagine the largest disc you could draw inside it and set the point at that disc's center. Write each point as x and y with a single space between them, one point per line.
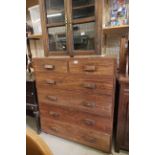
51 82
50 67
53 129
90 139
89 122
89 68
126 90
54 114
89 85
52 98
89 104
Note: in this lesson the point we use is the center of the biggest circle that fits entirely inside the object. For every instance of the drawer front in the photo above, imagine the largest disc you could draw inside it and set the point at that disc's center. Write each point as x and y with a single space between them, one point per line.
78 118
98 66
77 83
50 65
95 104
97 140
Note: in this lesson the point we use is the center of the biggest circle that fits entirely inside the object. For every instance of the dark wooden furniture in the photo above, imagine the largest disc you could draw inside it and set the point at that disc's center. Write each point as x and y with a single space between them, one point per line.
124 55
122 130
71 27
32 107
76 98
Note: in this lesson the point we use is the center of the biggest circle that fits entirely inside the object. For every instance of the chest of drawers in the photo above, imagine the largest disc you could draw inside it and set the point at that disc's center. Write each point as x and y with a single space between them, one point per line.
76 98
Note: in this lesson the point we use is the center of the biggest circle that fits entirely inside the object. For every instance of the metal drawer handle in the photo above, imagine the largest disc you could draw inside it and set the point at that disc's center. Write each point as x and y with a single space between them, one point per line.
89 68
54 114
89 122
89 85
52 98
51 82
89 104
50 67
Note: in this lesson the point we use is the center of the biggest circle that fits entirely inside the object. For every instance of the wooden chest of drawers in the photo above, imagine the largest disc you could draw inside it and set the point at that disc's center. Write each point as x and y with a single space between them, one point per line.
76 98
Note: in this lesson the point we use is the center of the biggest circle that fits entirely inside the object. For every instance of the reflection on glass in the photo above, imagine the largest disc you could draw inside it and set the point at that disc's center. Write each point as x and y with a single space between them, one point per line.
55 11
57 38
84 36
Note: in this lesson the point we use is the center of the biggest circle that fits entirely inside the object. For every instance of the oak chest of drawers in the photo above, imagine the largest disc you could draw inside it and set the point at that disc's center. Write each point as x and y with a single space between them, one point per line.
76 98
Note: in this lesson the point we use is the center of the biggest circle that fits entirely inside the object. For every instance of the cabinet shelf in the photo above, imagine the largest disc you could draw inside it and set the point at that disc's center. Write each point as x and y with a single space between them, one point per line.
35 37
84 20
117 29
83 6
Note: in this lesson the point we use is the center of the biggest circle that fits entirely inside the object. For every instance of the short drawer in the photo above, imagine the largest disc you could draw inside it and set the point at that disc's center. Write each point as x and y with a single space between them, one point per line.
76 117
95 104
50 65
90 66
98 140
78 83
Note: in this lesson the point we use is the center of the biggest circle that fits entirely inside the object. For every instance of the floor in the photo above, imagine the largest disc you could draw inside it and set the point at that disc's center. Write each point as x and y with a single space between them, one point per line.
61 146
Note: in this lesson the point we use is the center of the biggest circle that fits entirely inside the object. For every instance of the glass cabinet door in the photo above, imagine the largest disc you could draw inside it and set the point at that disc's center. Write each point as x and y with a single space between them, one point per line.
83 25
56 26
71 26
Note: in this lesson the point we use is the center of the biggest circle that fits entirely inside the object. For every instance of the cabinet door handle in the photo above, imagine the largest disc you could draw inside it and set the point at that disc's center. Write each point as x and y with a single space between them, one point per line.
89 122
52 82
50 67
89 85
66 20
88 104
52 98
89 68
54 114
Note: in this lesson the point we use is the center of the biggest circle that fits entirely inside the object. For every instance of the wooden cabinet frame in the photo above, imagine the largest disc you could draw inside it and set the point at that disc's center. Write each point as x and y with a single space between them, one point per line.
69 32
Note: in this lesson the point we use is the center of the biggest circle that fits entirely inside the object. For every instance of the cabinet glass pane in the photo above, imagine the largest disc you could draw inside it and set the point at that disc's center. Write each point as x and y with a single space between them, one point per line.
83 8
84 36
57 39
55 11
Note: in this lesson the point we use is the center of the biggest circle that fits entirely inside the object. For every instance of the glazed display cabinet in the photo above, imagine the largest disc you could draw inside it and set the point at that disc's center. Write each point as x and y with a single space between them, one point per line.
71 27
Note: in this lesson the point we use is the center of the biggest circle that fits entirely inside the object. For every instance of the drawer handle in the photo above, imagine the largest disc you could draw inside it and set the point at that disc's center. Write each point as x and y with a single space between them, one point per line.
50 67
89 85
52 82
52 98
89 122
90 139
54 114
89 104
53 129
126 90
89 68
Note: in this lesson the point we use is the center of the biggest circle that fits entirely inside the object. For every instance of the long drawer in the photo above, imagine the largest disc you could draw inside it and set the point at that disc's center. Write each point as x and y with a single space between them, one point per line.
50 66
89 66
75 117
88 137
95 104
76 83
